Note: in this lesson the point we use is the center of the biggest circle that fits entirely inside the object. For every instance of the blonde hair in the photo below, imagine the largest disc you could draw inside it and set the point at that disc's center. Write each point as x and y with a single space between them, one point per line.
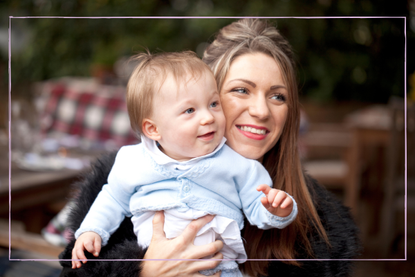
150 74
282 161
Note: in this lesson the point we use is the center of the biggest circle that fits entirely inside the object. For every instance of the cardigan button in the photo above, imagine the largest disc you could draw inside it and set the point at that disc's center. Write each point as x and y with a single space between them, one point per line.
186 188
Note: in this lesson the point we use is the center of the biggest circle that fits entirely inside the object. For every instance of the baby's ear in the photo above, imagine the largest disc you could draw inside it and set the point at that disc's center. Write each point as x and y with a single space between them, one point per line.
150 130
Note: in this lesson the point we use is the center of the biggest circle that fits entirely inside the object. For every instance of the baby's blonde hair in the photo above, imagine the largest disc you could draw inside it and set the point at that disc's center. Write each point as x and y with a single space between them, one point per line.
150 74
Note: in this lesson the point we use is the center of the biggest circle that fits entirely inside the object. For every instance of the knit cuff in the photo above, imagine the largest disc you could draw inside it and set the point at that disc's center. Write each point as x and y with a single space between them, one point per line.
282 222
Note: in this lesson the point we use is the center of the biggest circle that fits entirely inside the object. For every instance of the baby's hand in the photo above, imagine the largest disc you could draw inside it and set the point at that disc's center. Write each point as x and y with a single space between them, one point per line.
89 241
276 201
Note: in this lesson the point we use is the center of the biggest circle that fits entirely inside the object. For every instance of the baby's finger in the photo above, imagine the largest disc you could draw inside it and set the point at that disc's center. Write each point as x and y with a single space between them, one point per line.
286 203
265 203
264 188
81 256
76 264
271 196
89 246
279 198
97 245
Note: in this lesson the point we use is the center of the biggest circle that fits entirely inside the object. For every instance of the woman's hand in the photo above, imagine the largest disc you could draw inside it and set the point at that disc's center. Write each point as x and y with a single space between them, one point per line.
181 247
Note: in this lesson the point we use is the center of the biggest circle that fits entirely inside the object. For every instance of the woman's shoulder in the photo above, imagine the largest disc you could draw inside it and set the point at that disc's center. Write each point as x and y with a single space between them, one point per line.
338 223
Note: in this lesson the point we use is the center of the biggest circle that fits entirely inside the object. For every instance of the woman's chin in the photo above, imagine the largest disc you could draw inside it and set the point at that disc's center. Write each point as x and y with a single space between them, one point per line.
248 152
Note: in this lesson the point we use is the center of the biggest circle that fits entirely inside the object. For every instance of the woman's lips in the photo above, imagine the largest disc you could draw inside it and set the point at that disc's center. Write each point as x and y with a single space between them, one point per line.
253 132
207 136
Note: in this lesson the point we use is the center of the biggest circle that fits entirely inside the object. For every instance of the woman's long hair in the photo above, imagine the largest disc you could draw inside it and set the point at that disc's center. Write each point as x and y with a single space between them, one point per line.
282 161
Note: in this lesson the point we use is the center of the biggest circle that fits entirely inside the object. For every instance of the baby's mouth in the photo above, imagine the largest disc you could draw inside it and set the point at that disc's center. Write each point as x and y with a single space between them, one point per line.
207 135
252 130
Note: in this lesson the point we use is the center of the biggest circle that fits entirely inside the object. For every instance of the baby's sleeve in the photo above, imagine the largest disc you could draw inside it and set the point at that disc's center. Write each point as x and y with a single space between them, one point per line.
111 205
252 207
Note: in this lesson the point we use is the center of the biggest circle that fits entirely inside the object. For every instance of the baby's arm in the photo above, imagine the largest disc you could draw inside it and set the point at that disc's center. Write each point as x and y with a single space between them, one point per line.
89 241
276 201
258 211
112 203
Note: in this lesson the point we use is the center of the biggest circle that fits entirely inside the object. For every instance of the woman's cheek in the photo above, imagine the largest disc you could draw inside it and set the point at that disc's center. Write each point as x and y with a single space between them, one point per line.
231 108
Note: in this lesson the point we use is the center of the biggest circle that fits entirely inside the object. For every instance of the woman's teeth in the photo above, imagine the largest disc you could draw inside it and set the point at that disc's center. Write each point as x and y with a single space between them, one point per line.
252 130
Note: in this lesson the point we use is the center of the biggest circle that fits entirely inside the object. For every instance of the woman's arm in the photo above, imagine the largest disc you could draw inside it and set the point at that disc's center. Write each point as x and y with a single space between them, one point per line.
160 250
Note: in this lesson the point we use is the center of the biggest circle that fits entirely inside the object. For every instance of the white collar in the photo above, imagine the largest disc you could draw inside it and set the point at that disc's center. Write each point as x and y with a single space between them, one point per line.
162 159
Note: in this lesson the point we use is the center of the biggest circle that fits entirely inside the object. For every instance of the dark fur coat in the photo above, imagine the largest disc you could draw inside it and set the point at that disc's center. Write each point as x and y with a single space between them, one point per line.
340 228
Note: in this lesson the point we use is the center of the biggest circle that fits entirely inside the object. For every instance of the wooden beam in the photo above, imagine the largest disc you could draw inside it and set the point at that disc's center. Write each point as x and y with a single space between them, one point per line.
20 239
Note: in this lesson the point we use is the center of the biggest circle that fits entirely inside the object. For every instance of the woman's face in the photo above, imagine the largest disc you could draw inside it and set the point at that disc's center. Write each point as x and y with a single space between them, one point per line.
254 98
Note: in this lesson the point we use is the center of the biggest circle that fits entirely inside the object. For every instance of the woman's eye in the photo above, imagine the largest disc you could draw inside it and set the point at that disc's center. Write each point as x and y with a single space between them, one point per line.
279 97
214 104
241 90
189 111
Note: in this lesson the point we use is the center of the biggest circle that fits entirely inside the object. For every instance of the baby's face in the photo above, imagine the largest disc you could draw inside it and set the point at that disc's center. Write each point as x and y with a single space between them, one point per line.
189 118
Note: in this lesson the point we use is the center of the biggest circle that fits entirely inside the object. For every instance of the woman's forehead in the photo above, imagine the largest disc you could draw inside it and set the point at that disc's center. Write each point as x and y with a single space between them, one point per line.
255 67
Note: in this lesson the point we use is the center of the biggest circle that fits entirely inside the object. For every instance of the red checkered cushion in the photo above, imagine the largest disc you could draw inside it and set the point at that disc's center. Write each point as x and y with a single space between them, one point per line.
91 115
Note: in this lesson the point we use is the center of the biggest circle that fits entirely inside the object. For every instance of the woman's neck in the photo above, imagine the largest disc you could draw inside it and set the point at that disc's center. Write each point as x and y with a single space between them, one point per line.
260 159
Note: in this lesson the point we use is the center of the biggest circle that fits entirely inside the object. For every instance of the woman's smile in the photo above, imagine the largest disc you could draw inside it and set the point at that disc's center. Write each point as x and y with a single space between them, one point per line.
254 132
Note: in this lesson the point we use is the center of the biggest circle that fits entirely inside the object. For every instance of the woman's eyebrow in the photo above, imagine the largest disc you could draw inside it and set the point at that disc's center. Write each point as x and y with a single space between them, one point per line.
254 85
245 81
277 87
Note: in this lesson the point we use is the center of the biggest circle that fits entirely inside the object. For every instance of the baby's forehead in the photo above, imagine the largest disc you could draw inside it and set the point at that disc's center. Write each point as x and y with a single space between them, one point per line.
186 89
183 79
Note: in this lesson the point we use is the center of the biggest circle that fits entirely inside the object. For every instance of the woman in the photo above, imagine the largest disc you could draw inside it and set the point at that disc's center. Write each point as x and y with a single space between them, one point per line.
254 68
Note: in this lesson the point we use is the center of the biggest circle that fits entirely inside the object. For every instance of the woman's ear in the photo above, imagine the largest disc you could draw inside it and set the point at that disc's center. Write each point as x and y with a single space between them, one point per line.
150 130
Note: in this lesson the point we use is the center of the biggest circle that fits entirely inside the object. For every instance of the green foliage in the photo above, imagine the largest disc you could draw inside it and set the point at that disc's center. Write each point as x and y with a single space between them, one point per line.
338 59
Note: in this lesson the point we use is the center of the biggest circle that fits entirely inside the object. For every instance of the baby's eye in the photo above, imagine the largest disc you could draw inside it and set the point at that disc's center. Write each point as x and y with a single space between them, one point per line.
279 97
189 111
214 104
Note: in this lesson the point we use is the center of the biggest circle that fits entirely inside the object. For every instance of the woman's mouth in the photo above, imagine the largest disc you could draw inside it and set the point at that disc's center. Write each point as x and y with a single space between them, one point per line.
252 132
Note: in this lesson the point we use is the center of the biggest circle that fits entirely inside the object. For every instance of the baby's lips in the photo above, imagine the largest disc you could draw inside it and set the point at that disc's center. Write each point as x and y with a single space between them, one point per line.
206 135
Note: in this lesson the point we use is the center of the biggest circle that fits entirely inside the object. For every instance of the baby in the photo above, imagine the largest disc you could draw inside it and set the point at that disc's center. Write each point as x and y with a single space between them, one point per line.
182 167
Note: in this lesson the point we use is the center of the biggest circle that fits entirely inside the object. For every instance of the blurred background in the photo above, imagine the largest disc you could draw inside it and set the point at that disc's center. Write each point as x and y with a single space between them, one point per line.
67 107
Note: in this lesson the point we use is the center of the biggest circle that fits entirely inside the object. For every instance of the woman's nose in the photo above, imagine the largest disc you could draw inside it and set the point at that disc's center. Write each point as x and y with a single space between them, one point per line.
207 118
258 108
